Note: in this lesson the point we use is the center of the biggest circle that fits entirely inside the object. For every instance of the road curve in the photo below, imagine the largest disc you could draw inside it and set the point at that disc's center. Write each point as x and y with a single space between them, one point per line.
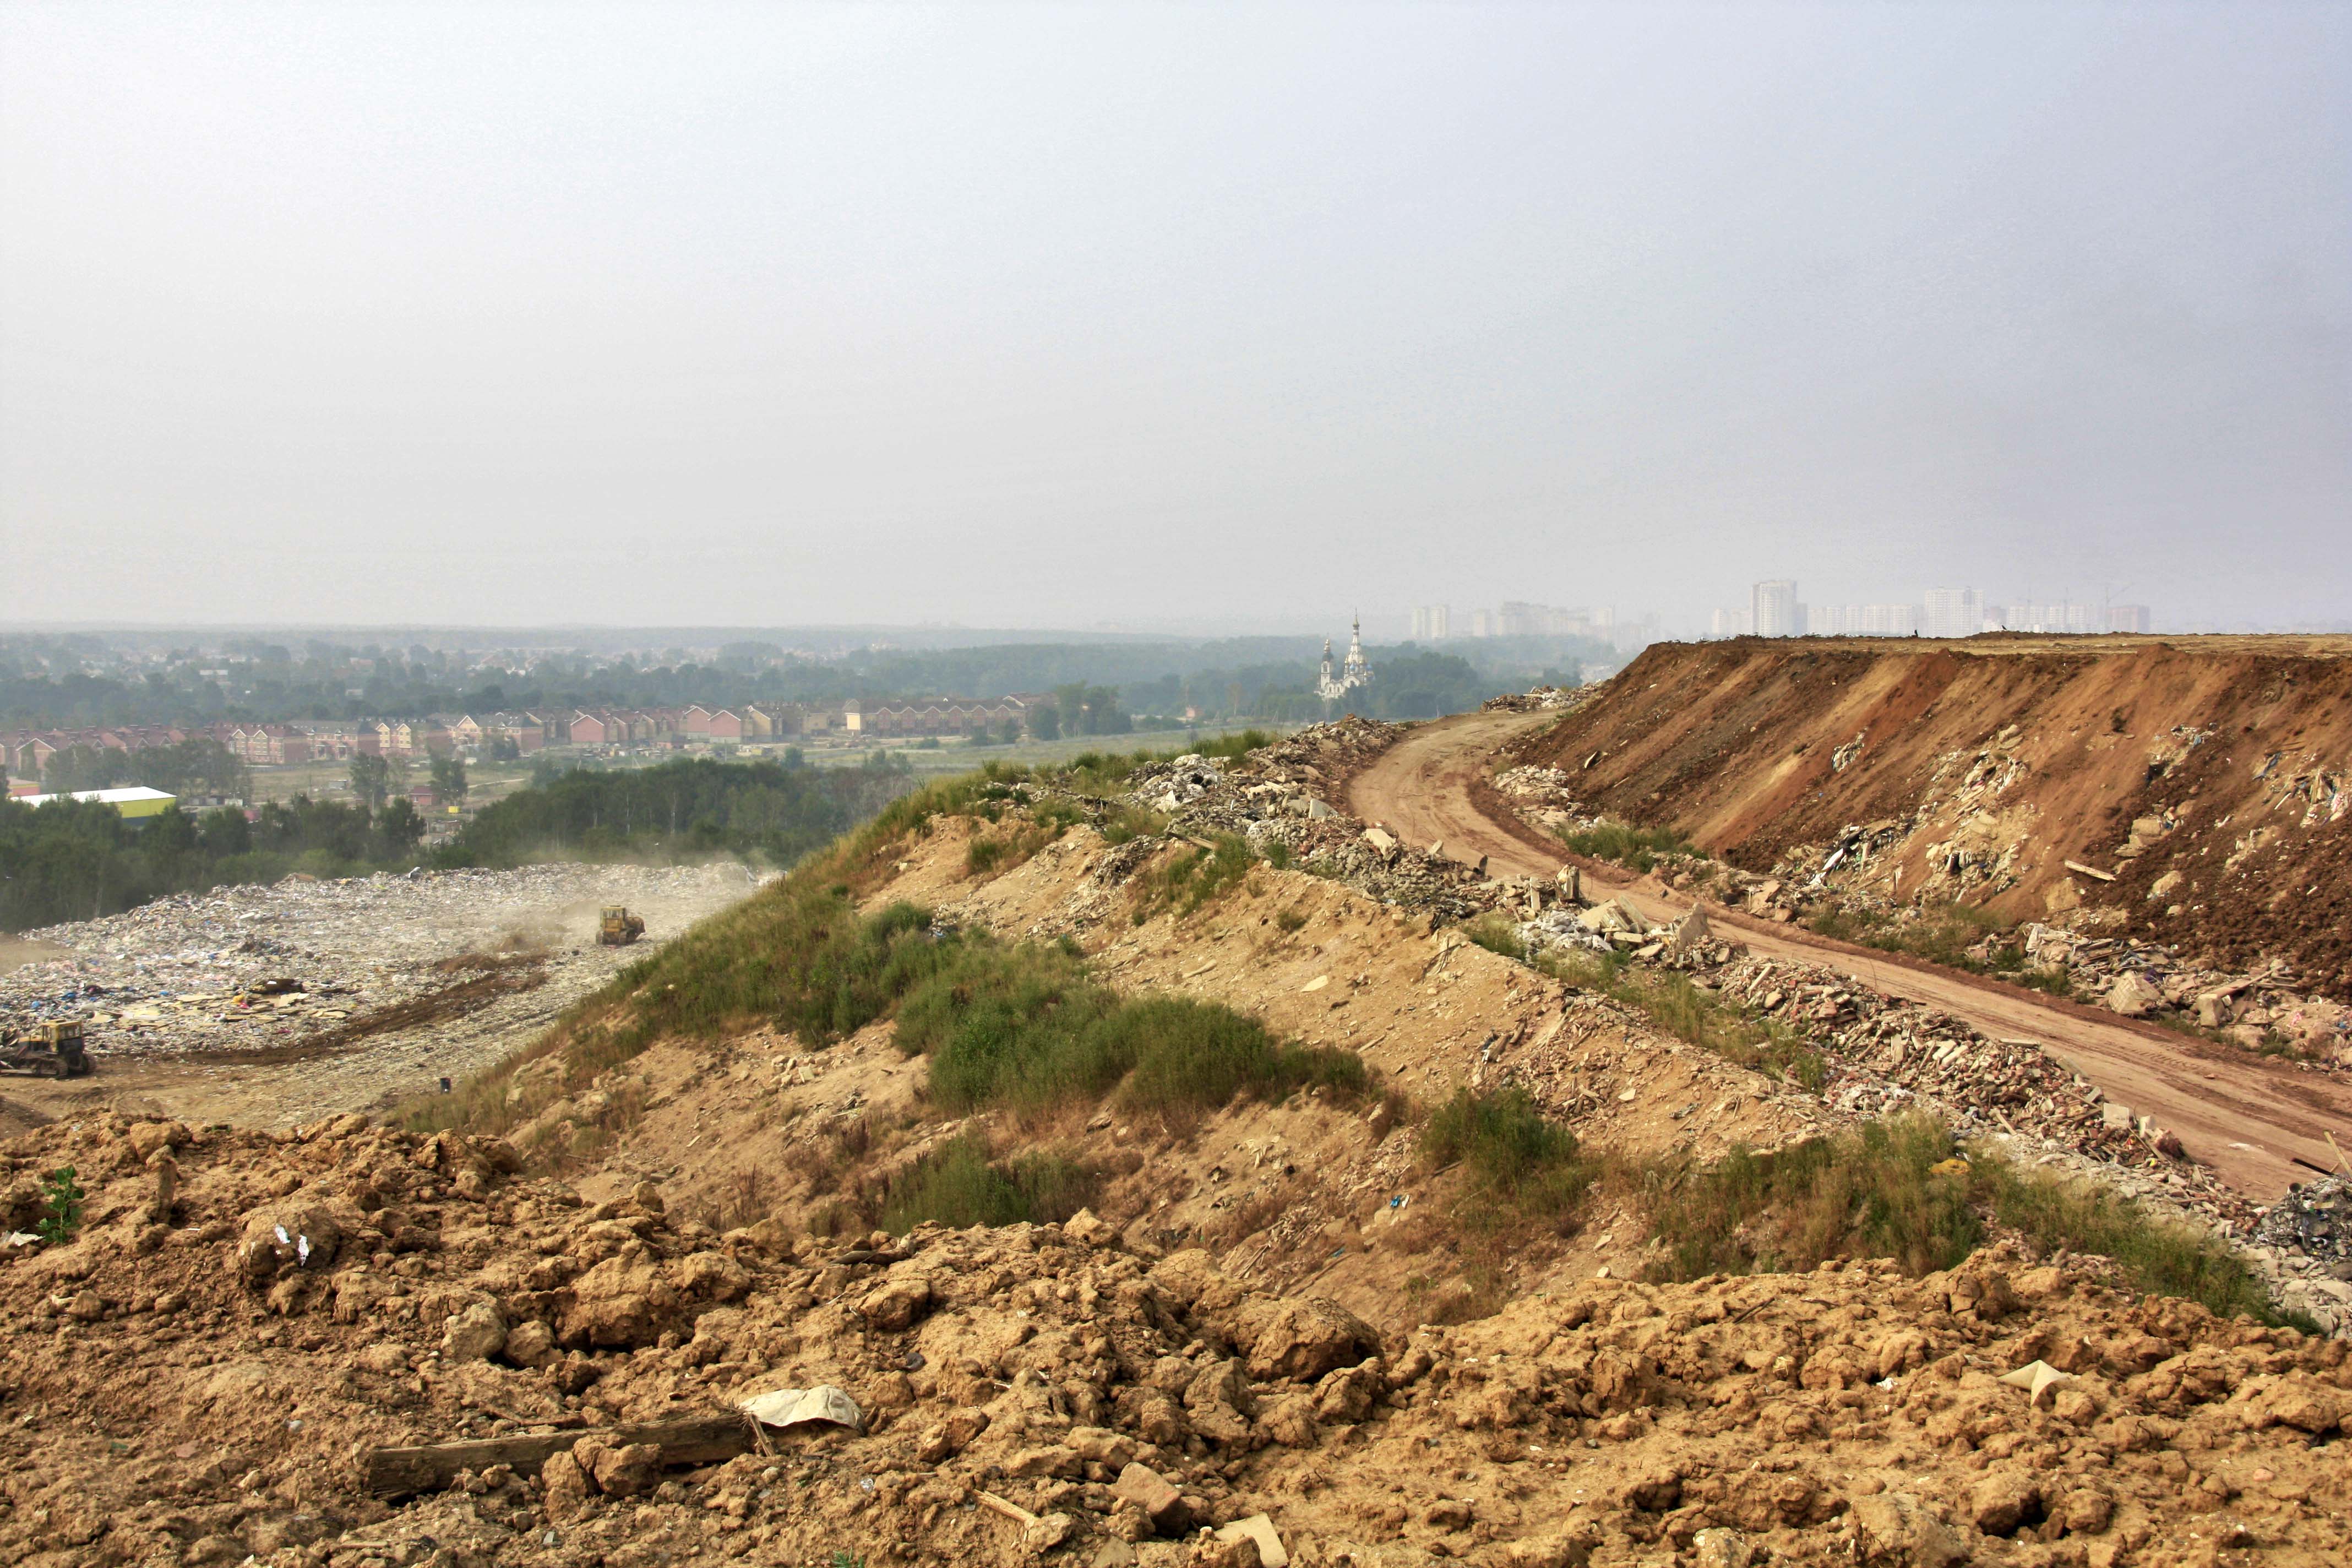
2247 1118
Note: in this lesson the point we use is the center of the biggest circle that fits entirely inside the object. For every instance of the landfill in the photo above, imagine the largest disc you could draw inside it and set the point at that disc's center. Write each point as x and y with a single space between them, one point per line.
269 967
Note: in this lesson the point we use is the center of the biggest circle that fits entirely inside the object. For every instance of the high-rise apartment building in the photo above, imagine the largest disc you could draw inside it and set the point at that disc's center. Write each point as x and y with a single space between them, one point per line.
1432 623
2128 619
1952 613
1773 610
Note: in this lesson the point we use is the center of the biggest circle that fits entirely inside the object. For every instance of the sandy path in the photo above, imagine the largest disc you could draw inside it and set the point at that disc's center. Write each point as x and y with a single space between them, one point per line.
2249 1118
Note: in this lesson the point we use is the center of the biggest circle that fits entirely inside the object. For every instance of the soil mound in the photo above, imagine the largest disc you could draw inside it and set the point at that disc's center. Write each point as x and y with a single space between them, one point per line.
279 1322
2192 791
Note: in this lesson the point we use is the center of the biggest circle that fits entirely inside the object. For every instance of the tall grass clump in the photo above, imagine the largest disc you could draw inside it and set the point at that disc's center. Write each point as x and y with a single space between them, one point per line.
1024 1029
1873 1192
1521 1168
959 1185
1679 1006
1638 848
2170 1257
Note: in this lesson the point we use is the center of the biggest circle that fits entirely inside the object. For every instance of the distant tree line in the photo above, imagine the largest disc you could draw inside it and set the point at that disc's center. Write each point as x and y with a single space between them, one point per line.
1240 677
690 809
199 766
72 860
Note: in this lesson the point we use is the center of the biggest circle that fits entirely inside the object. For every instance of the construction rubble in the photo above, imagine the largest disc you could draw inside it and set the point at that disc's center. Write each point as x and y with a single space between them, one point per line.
349 1347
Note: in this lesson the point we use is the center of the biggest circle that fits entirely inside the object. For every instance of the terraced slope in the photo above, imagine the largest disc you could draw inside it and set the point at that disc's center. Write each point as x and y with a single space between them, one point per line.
2203 781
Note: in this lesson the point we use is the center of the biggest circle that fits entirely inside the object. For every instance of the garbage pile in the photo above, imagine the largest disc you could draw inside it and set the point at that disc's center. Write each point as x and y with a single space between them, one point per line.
2314 1219
254 967
350 1345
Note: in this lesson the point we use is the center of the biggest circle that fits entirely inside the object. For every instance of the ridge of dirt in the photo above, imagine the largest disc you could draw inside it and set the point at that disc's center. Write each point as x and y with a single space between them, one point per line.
2206 780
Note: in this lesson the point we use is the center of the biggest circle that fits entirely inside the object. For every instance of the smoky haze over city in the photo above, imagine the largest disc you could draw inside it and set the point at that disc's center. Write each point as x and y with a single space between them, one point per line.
1179 320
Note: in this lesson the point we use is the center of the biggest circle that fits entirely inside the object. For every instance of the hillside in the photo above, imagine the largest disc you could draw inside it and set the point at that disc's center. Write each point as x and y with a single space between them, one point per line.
2203 781
1150 1149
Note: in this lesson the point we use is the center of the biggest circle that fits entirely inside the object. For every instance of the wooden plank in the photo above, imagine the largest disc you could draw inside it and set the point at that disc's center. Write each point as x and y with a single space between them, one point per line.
696 1440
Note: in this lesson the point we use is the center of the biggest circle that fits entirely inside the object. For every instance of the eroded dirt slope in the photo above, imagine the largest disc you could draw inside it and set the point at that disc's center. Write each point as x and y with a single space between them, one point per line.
2207 777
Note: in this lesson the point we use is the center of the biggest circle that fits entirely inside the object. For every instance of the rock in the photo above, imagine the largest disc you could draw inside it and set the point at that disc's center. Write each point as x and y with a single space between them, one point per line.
1383 843
1047 1532
2005 1500
2305 1405
2213 1010
1894 1529
1550 1551
1257 1528
1089 1230
1161 1420
163 1193
532 1344
564 1485
287 1236
1304 1340
619 1304
952 1435
1222 1383
1347 1395
2085 1510
1720 1548
476 1333
1211 1552
1160 1503
148 1139
2134 996
1291 1423
631 1469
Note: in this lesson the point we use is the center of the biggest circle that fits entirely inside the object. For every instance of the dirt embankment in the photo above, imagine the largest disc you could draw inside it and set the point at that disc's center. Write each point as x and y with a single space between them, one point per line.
2207 783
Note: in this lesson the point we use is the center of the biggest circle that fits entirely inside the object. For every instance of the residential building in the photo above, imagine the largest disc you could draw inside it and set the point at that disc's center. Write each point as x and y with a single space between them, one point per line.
1773 610
1952 613
1432 623
2128 619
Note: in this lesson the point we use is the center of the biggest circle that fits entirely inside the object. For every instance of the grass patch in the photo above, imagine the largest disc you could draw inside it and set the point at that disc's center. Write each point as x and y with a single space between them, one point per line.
959 1185
1497 932
2169 1257
799 955
1940 933
1678 1006
1196 876
1622 842
1869 1193
1024 1028
1290 922
1877 1192
1522 1169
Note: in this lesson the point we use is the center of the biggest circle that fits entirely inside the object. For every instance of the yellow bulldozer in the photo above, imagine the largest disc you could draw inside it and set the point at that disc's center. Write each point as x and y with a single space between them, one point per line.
619 927
54 1050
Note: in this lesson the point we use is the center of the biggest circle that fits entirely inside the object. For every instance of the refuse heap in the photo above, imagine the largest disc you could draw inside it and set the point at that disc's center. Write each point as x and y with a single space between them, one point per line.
251 967
269 1348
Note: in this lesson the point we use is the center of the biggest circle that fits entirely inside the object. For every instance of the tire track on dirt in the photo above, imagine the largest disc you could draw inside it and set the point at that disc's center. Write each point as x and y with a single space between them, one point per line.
2250 1120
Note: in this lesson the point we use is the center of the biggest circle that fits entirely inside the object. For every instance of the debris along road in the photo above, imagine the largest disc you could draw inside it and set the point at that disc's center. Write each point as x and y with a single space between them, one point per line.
269 1005
2248 1118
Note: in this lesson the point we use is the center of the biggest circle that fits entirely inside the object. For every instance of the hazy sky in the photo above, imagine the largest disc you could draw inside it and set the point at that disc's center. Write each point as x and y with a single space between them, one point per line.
1064 315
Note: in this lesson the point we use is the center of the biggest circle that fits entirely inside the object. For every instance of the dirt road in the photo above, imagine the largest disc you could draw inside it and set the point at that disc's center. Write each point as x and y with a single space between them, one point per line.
2247 1118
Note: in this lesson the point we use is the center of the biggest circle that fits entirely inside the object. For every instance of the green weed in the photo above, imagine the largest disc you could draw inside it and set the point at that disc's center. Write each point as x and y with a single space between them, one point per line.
1521 1168
61 1199
1638 848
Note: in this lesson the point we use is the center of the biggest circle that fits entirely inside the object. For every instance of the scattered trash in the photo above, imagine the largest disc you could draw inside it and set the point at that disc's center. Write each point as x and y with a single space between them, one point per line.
793 1406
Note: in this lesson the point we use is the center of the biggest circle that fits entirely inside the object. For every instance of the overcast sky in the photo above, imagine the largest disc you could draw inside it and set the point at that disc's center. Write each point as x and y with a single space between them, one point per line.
1140 314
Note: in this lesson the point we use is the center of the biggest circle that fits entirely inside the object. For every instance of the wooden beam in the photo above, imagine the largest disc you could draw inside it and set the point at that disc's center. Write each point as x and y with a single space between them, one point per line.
696 1440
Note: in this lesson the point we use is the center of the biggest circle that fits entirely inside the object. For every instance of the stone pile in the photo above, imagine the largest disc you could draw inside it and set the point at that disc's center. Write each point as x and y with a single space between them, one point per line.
2138 979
